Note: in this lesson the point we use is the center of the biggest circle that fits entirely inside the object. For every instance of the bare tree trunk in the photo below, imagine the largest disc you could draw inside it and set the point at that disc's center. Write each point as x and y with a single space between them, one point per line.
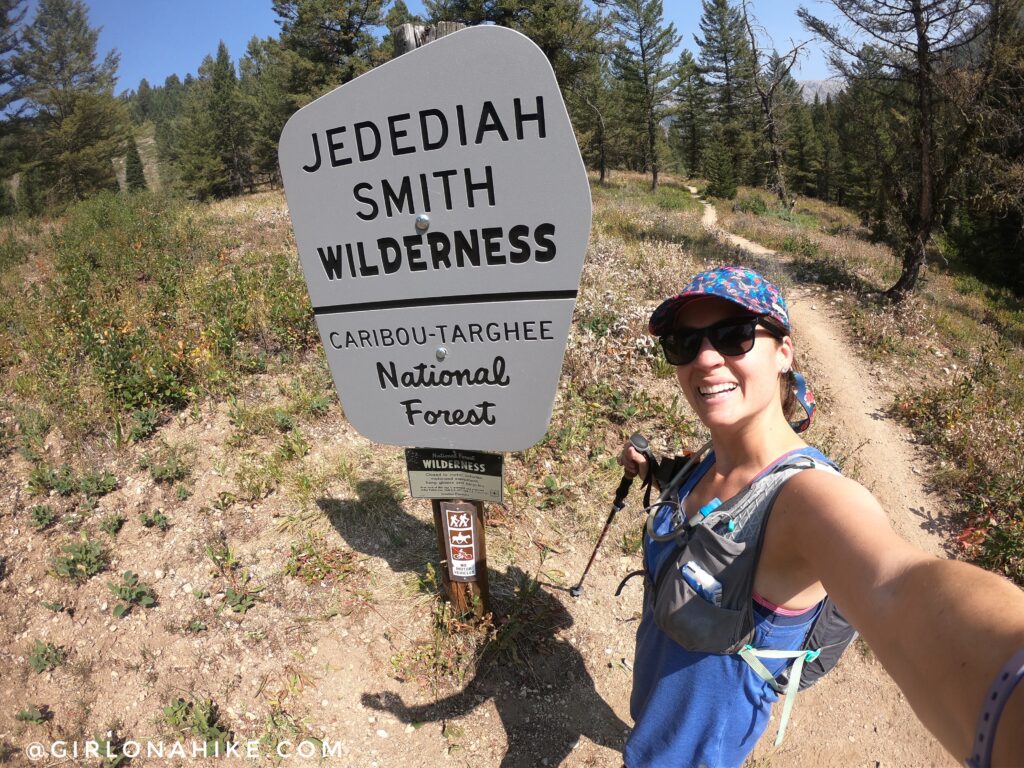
777 158
766 90
408 37
602 161
652 147
922 221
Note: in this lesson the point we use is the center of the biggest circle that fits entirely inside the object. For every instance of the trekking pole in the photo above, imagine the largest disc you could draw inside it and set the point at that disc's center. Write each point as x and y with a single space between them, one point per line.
641 445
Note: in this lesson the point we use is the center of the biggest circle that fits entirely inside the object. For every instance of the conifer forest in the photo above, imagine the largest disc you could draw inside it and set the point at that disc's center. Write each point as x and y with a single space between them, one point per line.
919 132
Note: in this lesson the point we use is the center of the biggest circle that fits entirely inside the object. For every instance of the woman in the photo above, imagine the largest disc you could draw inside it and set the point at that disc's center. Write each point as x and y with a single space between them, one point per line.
927 620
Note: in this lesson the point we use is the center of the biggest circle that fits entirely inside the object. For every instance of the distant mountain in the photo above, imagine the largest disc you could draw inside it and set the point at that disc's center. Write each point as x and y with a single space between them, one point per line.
819 88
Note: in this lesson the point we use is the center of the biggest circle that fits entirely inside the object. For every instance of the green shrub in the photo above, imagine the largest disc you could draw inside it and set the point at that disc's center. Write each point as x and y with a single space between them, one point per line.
168 464
156 519
42 516
13 250
96 484
199 718
45 656
131 592
32 429
800 245
144 424
34 715
64 482
242 599
81 560
41 479
112 523
754 204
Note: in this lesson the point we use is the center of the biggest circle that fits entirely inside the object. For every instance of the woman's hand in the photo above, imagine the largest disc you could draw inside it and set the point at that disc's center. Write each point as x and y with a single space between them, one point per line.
633 462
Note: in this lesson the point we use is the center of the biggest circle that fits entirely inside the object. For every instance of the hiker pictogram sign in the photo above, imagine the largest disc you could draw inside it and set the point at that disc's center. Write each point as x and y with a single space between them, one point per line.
441 213
462 536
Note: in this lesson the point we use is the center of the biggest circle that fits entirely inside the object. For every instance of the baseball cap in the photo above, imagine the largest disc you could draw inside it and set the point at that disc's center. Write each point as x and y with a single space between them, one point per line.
736 284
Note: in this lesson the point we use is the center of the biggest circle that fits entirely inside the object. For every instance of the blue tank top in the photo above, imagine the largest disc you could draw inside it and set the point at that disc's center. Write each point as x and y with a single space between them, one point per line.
702 710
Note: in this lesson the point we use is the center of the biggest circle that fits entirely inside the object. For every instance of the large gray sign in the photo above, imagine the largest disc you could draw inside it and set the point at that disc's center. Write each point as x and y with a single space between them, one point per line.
441 212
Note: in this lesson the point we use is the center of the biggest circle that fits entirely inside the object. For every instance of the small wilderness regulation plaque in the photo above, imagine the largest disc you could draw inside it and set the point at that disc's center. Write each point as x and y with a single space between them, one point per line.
442 473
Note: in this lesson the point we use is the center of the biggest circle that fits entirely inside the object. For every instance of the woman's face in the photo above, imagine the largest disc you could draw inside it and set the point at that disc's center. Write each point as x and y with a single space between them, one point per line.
731 391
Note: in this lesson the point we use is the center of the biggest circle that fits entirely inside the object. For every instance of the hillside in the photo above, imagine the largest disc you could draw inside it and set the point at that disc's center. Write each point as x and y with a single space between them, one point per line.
181 424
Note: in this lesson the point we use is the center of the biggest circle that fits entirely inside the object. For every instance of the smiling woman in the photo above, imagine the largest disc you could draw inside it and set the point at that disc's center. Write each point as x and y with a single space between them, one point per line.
743 595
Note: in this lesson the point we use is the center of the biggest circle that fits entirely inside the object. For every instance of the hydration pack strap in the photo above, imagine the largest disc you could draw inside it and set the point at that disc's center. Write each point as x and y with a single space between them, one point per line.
750 655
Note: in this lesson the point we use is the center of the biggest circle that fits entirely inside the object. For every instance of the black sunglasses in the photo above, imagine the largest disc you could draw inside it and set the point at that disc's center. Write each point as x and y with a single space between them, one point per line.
732 338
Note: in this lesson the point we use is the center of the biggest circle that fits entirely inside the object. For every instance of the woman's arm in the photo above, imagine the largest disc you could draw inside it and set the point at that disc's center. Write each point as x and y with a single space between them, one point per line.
941 628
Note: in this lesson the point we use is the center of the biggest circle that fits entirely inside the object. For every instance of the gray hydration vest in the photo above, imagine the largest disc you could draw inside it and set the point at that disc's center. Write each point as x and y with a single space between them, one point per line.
703 591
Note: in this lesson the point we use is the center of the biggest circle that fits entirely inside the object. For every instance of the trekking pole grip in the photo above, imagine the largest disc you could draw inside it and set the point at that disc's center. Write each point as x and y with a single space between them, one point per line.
622 491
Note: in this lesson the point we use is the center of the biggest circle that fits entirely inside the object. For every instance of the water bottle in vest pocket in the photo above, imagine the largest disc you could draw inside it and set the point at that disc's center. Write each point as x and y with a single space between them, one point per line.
695 601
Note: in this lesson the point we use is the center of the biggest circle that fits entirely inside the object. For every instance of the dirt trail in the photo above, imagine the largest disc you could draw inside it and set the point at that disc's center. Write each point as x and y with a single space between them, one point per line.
349 676
856 715
579 714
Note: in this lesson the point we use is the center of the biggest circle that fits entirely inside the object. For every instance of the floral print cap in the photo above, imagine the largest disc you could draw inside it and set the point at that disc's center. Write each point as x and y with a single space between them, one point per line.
736 284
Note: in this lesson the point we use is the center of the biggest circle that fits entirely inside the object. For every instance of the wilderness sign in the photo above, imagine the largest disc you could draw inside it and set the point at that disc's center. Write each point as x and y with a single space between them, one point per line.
440 473
441 212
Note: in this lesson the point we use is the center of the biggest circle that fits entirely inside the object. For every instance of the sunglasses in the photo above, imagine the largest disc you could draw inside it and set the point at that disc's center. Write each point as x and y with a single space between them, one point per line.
732 338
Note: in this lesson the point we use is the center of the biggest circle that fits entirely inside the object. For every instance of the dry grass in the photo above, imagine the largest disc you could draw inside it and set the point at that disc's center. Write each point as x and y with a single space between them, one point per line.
276 470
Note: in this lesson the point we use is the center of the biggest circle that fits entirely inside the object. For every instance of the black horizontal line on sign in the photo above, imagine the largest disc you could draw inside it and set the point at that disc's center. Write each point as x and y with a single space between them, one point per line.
440 301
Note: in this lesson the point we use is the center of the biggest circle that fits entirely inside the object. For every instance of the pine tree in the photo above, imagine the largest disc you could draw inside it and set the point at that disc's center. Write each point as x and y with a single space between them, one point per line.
727 65
643 45
590 102
829 180
916 47
142 103
332 41
134 175
11 14
213 153
777 96
565 30
716 164
692 100
263 88
78 125
167 107
803 157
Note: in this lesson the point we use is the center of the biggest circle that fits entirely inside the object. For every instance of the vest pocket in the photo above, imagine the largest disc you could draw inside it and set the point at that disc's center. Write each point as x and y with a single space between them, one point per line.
684 604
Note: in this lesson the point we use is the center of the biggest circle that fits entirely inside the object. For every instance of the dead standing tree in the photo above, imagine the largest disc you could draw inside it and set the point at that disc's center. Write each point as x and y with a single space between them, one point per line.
907 49
769 76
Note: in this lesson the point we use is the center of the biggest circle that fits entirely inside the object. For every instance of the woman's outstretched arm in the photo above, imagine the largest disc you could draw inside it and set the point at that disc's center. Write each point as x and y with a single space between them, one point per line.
941 628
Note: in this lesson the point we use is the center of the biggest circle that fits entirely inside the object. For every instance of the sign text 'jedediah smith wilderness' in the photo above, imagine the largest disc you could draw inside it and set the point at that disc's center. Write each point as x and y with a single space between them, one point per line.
441 213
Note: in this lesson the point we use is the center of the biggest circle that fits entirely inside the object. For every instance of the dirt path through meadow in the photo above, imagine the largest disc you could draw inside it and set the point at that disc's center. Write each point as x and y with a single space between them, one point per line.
579 714
856 716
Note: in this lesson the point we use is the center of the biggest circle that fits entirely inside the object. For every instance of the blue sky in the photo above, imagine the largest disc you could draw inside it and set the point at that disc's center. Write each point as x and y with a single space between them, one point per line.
157 38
